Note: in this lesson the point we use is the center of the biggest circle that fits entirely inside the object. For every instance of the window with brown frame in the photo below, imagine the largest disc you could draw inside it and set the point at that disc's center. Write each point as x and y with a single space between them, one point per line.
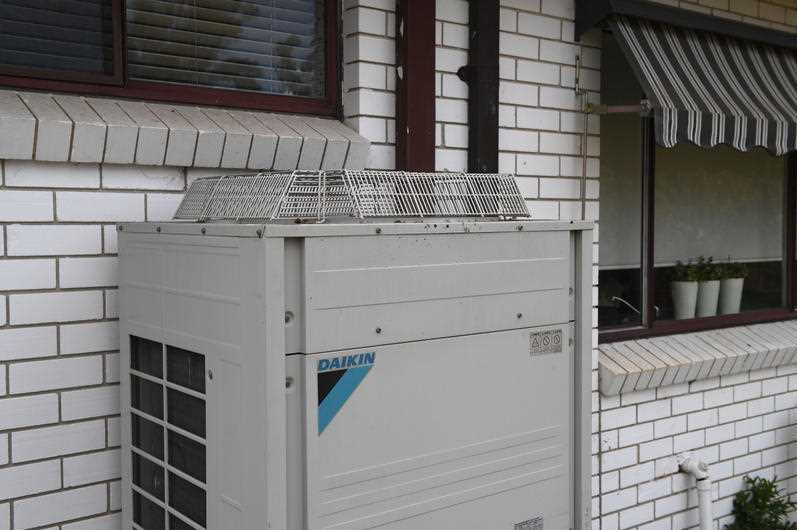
690 238
268 54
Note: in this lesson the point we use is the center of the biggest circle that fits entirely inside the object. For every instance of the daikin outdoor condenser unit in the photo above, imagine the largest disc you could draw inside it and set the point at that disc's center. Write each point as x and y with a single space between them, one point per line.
353 350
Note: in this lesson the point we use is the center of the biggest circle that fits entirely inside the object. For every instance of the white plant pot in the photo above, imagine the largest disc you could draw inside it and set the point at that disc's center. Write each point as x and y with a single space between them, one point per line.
731 295
684 299
708 294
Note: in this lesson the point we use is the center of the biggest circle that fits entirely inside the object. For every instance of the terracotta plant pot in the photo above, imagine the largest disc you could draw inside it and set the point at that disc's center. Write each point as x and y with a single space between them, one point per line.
730 301
684 299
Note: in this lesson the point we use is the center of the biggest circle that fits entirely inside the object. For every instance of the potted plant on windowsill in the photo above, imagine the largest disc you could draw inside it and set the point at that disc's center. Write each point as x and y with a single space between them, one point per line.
683 288
731 287
708 290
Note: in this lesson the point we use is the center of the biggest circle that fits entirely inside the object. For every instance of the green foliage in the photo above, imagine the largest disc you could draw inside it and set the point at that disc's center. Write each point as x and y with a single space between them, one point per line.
761 506
733 270
684 272
706 269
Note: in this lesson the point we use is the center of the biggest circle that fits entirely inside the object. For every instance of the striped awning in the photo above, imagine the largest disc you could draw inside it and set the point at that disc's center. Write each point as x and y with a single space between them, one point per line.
711 89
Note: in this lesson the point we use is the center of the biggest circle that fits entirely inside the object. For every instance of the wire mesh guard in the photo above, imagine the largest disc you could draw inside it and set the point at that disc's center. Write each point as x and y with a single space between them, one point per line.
320 195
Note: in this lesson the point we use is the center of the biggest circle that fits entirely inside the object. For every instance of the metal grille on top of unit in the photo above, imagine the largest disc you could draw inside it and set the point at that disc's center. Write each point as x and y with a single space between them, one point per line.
319 195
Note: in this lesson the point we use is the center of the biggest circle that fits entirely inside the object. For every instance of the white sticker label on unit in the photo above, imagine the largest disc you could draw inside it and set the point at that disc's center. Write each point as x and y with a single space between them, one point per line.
548 341
531 524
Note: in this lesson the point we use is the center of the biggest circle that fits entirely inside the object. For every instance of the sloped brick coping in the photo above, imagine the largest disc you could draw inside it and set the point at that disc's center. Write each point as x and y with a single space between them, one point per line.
62 128
633 365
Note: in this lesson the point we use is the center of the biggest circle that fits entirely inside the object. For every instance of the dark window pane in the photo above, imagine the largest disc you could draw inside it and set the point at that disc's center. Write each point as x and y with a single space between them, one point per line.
65 35
620 278
146 356
185 368
186 412
147 436
261 45
175 523
147 514
726 205
148 476
146 396
187 499
187 455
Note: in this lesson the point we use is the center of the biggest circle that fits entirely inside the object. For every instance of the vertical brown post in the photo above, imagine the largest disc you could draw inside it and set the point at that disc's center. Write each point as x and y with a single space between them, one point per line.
415 80
481 74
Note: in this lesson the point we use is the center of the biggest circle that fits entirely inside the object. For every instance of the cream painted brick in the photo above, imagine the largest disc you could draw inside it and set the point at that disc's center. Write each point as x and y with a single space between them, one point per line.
453 87
142 177
654 489
529 187
670 426
749 426
162 206
764 406
35 444
111 521
745 464
611 460
18 481
452 10
450 60
609 481
506 67
784 401
671 504
560 189
455 35
772 12
109 239
688 403
655 449
89 337
653 410
506 116
3 452
618 500
51 174
566 144
382 157
558 98
111 303
531 118
517 140
519 46
611 419
23 205
636 516
55 307
87 272
50 240
370 48
635 434
539 26
559 8
702 419
687 441
517 93
94 467
3 315
523 5
111 369
365 20
90 402
451 160
5 516
61 506
506 163
24 343
114 432
748 391
774 385
508 20
732 412
762 441
745 7
88 206
451 110
28 411
631 476
370 102
36 376
22 274
115 497
558 52
538 165
456 135
719 397
721 433
733 449
537 72
365 75
372 128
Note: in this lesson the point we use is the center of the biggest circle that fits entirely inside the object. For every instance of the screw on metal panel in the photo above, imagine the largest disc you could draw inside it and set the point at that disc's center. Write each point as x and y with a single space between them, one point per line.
378 230
288 382
259 233
570 290
157 228
210 374
378 330
520 228
204 230
520 315
288 317
570 342
120 228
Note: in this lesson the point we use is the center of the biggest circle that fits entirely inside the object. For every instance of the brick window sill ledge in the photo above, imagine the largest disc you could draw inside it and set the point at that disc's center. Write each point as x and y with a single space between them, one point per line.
634 365
68 128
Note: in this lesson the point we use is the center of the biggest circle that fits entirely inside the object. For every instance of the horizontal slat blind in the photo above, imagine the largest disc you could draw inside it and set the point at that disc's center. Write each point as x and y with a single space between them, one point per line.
63 35
272 46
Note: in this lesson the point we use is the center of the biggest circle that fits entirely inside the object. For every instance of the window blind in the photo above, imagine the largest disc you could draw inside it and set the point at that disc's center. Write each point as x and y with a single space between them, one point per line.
272 46
63 35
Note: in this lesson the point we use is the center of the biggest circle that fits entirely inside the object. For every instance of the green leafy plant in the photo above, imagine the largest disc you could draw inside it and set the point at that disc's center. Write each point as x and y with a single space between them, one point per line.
761 506
733 270
684 272
706 269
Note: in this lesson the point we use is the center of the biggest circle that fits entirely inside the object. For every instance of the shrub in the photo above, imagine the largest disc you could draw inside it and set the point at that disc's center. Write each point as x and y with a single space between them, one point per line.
761 506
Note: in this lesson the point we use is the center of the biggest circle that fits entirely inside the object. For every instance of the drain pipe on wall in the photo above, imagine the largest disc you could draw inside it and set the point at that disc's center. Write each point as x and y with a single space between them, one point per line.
699 469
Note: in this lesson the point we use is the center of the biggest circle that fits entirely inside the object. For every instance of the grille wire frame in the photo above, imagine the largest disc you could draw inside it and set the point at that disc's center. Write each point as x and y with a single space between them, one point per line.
318 196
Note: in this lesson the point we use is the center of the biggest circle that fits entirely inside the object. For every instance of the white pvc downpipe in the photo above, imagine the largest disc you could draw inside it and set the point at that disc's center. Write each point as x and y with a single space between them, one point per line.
699 470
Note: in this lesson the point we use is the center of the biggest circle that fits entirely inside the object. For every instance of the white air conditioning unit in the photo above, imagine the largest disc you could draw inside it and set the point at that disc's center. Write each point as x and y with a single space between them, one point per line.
355 350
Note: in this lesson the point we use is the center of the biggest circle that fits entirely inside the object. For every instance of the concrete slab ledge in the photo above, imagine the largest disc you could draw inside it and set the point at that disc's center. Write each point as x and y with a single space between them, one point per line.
70 128
634 365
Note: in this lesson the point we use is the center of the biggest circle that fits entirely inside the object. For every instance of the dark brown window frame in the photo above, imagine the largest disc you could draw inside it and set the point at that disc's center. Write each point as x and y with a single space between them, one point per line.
650 326
117 84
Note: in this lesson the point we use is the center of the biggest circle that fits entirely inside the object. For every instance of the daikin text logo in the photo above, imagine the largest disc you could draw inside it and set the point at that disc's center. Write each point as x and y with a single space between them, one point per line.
346 361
